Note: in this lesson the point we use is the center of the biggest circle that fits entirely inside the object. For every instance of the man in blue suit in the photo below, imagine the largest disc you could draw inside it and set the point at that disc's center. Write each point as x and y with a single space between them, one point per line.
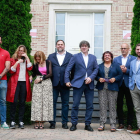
134 85
85 71
124 62
60 60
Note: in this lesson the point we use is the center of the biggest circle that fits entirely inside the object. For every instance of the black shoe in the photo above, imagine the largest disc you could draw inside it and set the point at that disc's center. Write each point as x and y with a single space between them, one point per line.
65 126
52 126
88 128
12 125
73 127
21 125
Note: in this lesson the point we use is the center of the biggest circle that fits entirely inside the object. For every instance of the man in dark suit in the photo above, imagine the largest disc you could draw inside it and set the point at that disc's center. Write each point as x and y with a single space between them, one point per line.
60 60
124 62
85 71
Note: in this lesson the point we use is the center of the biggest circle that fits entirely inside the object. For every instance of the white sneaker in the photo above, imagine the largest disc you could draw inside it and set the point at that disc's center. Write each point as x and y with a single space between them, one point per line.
4 126
13 125
21 125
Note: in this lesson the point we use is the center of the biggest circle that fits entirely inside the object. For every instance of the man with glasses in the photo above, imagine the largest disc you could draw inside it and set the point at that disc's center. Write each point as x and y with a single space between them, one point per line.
124 62
4 68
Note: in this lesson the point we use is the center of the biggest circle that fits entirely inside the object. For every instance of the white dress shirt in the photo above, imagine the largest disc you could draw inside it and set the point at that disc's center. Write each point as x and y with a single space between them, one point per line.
85 57
124 60
60 57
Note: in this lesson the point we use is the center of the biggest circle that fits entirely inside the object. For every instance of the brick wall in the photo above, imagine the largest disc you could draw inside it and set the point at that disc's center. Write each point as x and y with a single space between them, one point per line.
119 22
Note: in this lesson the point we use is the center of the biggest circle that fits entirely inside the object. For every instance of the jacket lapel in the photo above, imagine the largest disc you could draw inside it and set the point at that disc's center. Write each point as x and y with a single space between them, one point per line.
65 59
120 59
56 59
134 67
82 59
128 60
89 58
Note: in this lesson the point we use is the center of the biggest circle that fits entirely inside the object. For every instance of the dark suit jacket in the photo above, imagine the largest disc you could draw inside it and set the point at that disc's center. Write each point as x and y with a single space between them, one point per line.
114 72
80 70
57 70
118 60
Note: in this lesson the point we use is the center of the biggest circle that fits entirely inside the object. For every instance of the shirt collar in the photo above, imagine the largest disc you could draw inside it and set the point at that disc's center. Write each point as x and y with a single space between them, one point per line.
125 57
137 60
84 54
61 54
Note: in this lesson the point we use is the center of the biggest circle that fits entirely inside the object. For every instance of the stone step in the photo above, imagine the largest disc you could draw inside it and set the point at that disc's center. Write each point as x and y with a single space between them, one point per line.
95 101
95 113
95 94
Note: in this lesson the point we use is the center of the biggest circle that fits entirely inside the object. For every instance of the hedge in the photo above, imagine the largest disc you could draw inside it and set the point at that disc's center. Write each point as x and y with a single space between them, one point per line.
15 29
135 36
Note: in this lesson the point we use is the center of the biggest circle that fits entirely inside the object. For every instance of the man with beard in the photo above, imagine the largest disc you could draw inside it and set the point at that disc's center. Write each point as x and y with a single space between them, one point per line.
124 63
4 68
60 60
134 85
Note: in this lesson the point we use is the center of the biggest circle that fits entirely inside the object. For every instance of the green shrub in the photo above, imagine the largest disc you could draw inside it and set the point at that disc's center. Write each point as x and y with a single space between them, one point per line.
15 24
135 36
15 29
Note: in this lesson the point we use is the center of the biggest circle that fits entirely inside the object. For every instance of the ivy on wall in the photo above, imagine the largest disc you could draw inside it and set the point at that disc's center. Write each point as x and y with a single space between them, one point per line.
135 36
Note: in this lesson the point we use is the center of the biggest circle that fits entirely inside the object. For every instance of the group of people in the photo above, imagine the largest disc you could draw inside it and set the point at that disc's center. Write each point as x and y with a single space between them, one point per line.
55 75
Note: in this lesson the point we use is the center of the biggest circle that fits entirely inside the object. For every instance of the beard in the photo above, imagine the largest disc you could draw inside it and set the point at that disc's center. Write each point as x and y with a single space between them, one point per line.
60 50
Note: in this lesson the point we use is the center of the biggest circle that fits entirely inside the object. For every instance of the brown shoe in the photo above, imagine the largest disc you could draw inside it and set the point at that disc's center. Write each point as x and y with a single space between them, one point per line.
129 128
120 127
136 132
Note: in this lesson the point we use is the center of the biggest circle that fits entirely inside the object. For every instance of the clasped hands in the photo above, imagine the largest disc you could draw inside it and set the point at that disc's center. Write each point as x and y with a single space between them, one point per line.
87 81
112 80
123 68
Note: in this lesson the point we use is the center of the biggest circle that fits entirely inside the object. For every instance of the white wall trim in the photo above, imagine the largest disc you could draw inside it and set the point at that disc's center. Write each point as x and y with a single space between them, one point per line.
79 2
85 7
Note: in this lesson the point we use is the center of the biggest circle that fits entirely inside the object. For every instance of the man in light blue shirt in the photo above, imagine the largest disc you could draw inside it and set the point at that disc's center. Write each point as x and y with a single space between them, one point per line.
134 85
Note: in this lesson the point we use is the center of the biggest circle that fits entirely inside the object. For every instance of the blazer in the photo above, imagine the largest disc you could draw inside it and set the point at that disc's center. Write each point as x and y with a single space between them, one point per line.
118 60
134 76
80 70
57 70
114 72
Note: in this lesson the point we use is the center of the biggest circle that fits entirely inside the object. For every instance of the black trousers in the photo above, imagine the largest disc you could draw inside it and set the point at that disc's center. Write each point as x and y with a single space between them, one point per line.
21 95
124 91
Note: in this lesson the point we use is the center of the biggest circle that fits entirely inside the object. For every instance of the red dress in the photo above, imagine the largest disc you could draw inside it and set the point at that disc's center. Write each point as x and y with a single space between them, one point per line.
12 83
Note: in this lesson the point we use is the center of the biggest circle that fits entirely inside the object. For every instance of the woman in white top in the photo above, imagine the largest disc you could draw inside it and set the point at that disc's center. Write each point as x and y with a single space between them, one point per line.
19 84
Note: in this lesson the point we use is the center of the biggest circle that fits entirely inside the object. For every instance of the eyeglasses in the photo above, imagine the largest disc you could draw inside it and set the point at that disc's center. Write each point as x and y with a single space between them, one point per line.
21 51
123 48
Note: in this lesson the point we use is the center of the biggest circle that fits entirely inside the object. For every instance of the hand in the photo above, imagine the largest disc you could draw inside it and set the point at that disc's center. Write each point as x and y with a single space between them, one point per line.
25 55
88 80
124 70
20 61
102 80
68 84
112 80
37 80
30 78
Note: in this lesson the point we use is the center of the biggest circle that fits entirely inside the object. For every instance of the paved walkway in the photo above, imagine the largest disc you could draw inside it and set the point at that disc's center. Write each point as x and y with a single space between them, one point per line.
61 134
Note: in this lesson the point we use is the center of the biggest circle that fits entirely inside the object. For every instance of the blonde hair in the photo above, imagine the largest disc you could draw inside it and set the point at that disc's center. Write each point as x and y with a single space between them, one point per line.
41 55
15 55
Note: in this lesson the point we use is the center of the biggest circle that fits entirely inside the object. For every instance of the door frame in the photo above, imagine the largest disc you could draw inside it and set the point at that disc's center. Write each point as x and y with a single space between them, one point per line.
78 6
